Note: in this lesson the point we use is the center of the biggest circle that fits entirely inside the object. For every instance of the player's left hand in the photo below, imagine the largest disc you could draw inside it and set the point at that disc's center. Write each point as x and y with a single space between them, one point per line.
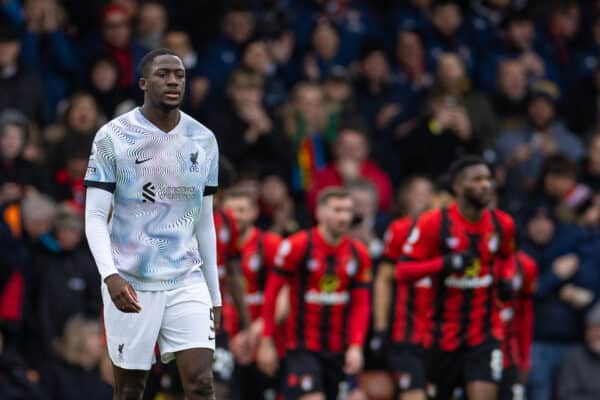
217 321
354 360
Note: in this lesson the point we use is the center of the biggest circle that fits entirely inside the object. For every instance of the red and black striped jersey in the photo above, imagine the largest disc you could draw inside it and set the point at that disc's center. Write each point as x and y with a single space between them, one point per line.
329 292
465 310
517 315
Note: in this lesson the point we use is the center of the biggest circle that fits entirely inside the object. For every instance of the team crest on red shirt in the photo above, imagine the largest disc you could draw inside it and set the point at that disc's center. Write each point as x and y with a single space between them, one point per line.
493 243
254 262
351 267
329 283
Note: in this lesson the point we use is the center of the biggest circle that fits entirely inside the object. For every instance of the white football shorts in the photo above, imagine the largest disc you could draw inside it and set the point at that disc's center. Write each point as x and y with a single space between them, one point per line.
177 319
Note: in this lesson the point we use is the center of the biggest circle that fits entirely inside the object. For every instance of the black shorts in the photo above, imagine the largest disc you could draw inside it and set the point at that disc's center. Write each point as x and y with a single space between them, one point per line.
447 370
250 383
308 372
406 362
223 362
511 387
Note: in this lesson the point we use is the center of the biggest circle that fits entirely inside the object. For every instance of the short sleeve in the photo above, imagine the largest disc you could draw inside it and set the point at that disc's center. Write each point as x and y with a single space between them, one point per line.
212 180
507 247
101 170
394 239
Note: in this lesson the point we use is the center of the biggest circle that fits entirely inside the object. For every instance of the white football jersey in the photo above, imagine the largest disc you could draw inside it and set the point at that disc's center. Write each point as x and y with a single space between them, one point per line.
159 180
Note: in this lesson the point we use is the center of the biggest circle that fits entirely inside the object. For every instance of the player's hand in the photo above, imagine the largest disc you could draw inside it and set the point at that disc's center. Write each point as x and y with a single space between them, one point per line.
354 360
266 358
241 347
217 315
458 262
122 294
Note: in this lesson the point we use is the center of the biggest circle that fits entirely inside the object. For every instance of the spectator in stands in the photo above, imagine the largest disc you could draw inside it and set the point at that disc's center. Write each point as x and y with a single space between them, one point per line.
77 375
483 21
339 93
277 210
369 223
325 52
67 281
581 109
568 275
152 24
585 60
102 86
16 172
578 377
414 16
246 132
411 63
521 152
510 96
222 56
414 197
447 35
351 163
256 58
517 40
20 88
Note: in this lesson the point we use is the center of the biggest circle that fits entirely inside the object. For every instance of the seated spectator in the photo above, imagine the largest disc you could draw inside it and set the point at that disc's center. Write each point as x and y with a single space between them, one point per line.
152 24
521 152
102 85
339 93
20 88
256 58
447 35
222 55
351 163
246 132
16 171
411 64
76 375
578 377
312 129
567 281
325 52
517 40
510 96
67 281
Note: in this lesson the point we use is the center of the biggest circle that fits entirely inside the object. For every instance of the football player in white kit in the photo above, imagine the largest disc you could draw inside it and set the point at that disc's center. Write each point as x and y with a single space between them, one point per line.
157 167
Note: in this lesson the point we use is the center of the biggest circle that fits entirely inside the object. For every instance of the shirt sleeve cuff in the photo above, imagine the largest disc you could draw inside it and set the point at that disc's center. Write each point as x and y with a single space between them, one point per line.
208 190
108 186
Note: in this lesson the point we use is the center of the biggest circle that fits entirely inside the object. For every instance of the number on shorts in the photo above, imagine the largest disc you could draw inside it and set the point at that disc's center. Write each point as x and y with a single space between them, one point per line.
496 364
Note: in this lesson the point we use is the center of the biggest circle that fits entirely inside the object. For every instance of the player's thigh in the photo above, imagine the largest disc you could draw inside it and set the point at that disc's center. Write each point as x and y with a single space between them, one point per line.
407 366
481 390
302 376
129 383
195 368
187 323
131 337
484 363
312 396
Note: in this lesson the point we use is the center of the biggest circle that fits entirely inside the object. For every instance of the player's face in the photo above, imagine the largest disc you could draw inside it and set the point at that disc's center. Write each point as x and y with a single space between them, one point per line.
243 210
476 186
336 215
165 82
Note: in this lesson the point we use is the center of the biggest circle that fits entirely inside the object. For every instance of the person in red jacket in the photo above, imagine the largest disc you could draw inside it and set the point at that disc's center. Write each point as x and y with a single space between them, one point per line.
467 250
397 304
517 316
257 258
329 276
351 152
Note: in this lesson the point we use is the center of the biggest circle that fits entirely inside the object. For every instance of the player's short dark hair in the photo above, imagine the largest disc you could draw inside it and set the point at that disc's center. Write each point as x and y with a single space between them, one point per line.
238 193
458 166
150 56
333 192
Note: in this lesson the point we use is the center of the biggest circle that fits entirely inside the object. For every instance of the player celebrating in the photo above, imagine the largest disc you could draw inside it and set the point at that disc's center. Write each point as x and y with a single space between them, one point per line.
467 250
257 258
407 300
517 316
158 261
329 274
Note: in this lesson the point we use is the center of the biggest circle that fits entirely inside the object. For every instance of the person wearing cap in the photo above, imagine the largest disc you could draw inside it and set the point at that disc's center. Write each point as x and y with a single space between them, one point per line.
521 152
20 87
578 377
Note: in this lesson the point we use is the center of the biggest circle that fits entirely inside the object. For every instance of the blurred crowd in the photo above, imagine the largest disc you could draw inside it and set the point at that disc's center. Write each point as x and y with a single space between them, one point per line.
380 96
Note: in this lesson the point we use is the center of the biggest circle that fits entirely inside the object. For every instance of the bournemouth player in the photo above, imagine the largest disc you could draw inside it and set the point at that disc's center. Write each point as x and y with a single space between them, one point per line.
158 168
517 316
400 303
468 251
257 258
329 276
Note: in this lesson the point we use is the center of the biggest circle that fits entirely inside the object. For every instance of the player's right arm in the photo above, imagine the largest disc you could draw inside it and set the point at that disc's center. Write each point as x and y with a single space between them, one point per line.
100 180
421 255
287 261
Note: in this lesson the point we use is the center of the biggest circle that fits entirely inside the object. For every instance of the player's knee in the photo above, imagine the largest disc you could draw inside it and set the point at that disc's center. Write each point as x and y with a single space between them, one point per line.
201 385
129 392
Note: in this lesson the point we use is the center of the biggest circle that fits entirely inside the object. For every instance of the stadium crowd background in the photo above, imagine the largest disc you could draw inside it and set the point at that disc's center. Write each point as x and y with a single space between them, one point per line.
301 94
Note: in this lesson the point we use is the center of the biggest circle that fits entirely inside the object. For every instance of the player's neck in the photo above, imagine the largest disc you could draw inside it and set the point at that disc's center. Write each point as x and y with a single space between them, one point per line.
165 120
328 237
468 211
245 234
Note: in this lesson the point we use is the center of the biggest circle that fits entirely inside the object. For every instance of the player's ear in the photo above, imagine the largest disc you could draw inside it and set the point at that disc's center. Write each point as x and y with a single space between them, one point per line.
142 83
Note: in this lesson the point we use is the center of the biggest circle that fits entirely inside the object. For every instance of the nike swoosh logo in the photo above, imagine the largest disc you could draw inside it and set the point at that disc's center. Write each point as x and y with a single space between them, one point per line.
142 161
211 338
